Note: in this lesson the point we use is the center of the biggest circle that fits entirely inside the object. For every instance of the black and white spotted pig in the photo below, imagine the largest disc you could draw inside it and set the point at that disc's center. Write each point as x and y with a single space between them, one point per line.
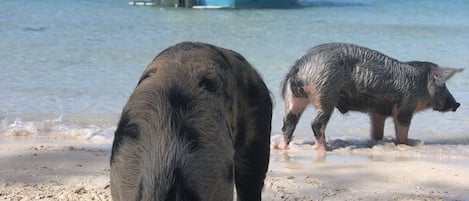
354 78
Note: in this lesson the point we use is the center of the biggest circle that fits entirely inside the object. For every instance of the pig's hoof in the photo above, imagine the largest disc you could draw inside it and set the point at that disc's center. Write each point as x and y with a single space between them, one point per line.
281 145
320 147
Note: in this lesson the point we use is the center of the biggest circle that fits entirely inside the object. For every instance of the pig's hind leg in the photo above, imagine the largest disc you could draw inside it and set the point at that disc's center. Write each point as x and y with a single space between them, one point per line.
324 101
323 114
296 107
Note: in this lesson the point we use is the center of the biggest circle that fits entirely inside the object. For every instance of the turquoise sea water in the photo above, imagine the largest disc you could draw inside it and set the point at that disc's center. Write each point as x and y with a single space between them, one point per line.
68 67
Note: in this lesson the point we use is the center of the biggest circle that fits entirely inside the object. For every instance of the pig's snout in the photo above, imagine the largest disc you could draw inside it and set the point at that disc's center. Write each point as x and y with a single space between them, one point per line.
455 107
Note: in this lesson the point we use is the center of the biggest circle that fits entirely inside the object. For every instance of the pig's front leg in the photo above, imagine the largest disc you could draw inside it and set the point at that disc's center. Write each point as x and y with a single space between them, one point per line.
377 126
402 119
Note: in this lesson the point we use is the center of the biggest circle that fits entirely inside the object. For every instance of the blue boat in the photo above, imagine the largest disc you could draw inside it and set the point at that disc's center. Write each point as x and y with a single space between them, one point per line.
214 4
244 3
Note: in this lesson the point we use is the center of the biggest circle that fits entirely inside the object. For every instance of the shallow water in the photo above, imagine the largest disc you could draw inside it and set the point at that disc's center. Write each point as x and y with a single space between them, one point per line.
68 67
300 156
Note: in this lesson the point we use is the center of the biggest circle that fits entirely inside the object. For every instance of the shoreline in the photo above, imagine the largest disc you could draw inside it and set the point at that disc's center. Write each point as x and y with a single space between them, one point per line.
79 170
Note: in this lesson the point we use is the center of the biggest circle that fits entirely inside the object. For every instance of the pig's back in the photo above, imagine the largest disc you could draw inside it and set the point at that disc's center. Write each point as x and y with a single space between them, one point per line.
366 69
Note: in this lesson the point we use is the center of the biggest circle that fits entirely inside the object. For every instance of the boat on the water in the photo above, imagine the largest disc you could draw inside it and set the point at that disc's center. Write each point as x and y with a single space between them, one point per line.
244 3
218 4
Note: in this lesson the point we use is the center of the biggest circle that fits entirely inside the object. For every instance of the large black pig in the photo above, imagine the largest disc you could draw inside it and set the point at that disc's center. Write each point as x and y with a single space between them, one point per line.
197 124
354 78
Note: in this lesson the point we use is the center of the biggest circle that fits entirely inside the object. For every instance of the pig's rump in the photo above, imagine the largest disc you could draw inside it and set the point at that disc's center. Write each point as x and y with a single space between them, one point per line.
197 124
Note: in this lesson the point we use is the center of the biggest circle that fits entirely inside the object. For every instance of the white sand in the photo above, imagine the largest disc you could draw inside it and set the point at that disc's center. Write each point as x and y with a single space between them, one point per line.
35 170
47 171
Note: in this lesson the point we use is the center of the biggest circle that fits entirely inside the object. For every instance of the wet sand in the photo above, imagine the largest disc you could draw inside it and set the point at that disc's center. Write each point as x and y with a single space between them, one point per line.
41 170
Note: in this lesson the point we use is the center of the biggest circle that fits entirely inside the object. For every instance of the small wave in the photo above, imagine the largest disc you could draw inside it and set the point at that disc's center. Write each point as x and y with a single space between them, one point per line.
16 128
36 29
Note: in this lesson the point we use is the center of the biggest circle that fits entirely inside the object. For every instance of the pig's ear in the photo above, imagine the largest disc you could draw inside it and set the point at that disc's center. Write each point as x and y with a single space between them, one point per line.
440 75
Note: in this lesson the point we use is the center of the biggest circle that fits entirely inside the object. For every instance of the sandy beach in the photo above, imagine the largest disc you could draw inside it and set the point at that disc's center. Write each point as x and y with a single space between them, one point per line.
49 170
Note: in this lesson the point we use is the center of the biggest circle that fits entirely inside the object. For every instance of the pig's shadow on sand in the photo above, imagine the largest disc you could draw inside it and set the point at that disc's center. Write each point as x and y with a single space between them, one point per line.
375 150
357 144
335 144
